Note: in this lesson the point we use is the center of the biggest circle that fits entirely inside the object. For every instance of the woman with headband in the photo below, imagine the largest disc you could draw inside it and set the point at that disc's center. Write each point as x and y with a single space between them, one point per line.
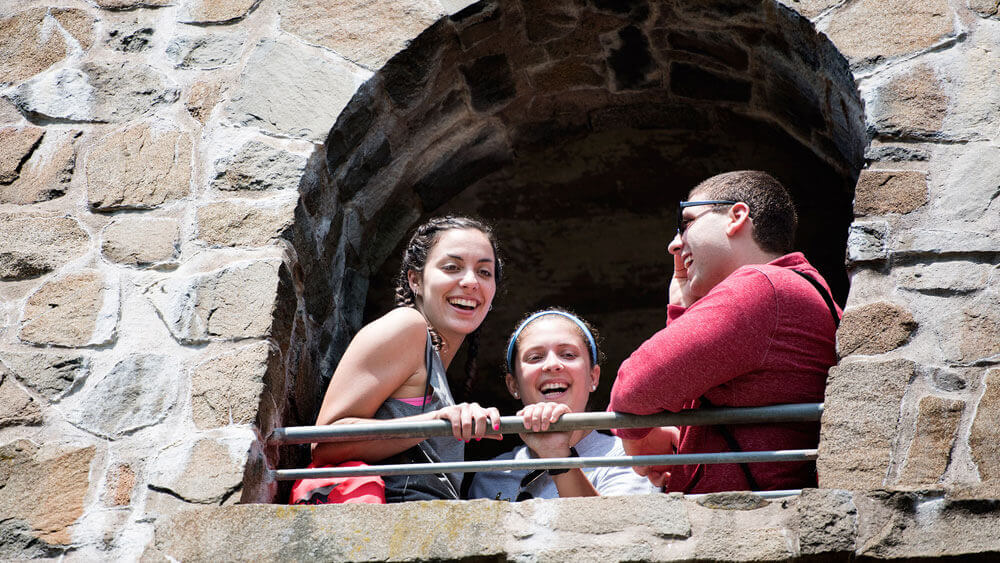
552 367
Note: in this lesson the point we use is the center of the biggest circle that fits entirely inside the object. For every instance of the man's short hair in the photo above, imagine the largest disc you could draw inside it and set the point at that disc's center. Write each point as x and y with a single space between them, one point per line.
771 208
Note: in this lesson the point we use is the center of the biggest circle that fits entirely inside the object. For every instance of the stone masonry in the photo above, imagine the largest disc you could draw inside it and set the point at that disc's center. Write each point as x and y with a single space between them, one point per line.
195 197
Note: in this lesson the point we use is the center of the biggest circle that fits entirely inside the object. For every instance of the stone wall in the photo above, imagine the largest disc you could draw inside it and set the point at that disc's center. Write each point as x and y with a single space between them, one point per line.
158 320
908 405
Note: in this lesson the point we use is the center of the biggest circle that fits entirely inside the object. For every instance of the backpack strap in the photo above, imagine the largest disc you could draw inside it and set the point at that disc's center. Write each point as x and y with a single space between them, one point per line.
735 447
823 292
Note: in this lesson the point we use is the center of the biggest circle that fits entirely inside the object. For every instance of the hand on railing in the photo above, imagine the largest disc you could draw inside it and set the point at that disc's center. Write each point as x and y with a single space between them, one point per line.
660 440
538 417
469 420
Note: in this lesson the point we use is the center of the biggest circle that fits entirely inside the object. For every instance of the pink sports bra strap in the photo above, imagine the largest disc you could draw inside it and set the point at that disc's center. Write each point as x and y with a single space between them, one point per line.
415 401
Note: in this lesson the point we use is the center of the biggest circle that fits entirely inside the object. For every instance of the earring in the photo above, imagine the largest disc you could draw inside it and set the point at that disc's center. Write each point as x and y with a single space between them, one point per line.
517 395
593 388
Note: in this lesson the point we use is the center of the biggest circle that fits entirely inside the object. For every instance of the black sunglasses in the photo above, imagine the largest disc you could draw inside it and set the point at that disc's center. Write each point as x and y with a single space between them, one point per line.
681 225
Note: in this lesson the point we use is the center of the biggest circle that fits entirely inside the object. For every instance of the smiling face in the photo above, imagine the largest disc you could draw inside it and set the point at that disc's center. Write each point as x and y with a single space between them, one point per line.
552 363
705 247
456 287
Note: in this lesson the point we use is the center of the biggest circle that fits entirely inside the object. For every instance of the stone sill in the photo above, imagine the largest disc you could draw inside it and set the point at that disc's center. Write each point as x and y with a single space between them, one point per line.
726 527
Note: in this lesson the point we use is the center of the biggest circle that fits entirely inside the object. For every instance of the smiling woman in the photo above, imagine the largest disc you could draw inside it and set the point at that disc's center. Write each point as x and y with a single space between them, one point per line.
395 366
552 363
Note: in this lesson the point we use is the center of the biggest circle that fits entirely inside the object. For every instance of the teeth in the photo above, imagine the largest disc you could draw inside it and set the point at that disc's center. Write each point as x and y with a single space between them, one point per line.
553 386
687 261
462 302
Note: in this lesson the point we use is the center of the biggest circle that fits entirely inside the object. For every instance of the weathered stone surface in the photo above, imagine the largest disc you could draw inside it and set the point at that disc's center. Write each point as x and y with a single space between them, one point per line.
16 146
877 152
202 99
130 37
204 52
210 474
755 544
962 197
985 8
914 527
8 112
911 105
441 530
118 485
129 4
44 490
975 103
959 276
138 168
78 23
930 451
860 422
979 332
48 373
292 90
566 75
346 26
47 173
17 408
732 501
232 302
31 41
136 393
211 11
666 518
80 309
859 30
30 246
692 81
227 389
98 91
478 154
868 241
490 80
139 241
631 62
230 223
810 8
947 379
258 166
825 522
985 429
875 328
881 192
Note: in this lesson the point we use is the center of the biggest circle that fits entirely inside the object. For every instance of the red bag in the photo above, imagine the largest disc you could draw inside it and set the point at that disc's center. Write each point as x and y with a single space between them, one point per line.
339 490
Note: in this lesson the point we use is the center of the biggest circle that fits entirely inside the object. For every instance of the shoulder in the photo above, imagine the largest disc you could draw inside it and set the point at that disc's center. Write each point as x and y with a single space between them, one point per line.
746 286
397 338
402 326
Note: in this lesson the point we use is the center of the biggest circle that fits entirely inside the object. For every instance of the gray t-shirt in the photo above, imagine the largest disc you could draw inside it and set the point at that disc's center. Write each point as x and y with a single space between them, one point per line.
609 481
399 488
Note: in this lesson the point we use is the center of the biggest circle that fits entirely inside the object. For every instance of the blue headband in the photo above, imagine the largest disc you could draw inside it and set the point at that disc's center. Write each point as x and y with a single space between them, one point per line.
576 320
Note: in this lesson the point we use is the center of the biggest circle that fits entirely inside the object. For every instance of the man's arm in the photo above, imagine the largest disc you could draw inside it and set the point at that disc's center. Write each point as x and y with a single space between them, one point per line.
723 335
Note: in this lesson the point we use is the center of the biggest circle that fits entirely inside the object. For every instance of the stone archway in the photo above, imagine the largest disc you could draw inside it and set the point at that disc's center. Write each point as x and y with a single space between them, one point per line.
575 128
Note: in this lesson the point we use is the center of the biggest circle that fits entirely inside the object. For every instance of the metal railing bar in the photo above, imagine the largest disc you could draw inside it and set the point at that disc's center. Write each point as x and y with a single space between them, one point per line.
802 412
547 463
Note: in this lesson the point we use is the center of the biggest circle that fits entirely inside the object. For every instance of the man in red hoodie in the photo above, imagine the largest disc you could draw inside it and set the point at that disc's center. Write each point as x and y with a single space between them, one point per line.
750 323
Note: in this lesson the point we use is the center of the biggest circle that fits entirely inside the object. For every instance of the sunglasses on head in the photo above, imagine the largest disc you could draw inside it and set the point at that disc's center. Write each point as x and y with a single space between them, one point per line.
681 225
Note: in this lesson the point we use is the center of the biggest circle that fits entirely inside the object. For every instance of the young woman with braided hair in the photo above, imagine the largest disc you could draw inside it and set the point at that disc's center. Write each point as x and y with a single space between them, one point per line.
395 366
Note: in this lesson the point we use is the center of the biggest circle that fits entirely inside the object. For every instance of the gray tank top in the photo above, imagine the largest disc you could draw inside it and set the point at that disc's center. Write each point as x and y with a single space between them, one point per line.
399 488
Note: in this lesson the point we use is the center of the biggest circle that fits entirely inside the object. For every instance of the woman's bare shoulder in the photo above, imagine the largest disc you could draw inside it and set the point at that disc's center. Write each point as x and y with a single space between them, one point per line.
402 327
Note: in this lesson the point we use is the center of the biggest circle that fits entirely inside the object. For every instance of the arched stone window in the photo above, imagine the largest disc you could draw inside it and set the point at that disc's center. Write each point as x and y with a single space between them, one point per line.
575 127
